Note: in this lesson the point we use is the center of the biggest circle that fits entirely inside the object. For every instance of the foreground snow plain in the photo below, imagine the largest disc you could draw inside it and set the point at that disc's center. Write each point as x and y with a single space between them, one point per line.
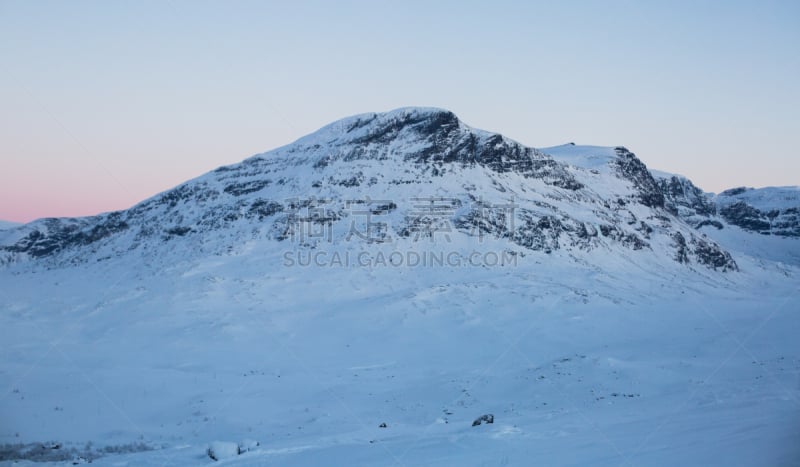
613 361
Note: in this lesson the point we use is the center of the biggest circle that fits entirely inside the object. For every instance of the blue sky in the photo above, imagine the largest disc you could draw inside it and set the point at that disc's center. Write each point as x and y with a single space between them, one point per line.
103 104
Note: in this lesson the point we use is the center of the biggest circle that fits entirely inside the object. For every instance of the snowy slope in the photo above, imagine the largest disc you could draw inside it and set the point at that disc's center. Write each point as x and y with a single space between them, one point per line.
5 225
764 199
215 313
597 158
578 364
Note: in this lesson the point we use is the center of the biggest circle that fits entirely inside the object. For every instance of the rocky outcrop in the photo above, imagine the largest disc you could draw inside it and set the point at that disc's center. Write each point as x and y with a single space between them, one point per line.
783 222
683 198
54 235
766 211
745 216
487 418
631 168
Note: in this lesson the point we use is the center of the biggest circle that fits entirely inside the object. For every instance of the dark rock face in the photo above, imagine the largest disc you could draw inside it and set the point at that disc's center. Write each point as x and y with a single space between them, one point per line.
782 222
180 194
628 239
239 189
681 249
705 252
444 142
263 208
537 233
734 191
63 234
682 197
787 222
709 254
631 168
745 216
716 224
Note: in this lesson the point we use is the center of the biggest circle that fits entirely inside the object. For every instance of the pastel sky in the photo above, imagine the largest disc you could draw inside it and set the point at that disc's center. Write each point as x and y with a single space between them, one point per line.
103 104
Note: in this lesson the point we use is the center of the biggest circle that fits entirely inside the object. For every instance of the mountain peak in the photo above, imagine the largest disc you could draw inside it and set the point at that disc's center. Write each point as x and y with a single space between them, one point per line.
429 137
359 126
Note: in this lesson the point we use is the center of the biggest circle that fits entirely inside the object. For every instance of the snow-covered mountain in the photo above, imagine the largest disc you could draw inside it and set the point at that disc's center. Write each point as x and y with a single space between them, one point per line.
417 172
376 292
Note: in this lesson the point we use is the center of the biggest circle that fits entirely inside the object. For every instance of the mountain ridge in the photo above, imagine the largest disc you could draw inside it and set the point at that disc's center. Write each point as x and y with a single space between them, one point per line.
561 201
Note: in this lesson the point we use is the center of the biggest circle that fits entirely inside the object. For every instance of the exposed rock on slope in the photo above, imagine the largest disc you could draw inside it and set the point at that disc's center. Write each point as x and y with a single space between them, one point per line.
767 211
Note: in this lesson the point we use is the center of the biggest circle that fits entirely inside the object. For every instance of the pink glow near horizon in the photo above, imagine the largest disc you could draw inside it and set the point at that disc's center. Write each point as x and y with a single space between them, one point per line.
84 186
52 206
